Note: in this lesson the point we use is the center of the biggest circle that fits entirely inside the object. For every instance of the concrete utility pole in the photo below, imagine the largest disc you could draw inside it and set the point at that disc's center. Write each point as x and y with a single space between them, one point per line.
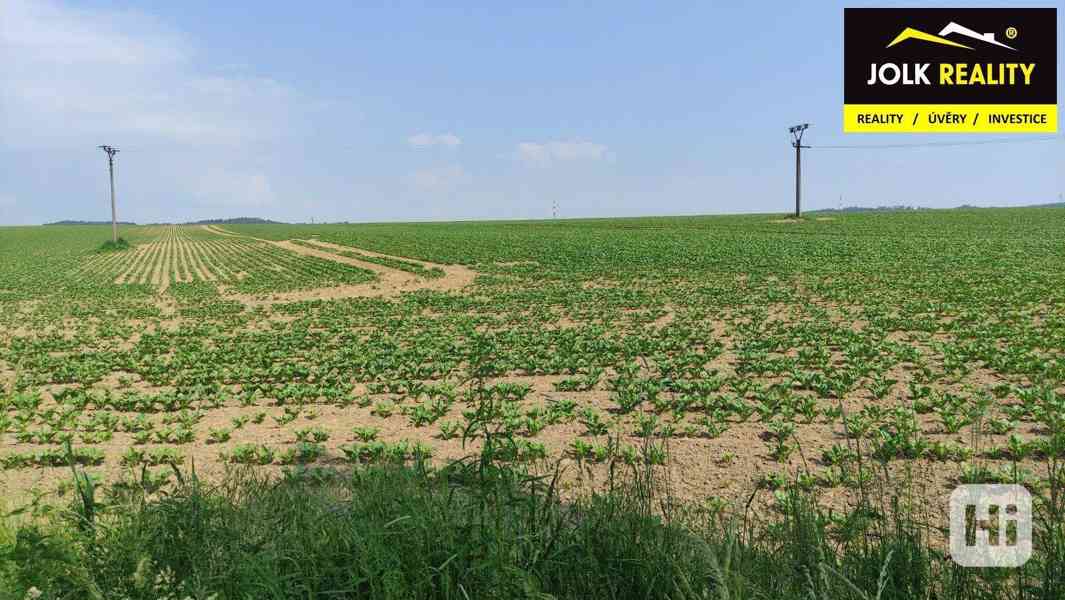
796 142
111 152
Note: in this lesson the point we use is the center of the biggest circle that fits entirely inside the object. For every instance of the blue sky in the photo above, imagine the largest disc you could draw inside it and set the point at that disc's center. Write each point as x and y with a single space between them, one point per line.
417 111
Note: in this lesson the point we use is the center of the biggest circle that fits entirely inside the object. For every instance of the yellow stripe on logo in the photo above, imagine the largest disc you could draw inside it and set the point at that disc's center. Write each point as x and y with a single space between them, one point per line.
950 118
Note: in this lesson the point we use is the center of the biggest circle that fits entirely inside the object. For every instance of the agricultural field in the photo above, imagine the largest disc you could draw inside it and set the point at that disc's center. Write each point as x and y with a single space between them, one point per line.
730 354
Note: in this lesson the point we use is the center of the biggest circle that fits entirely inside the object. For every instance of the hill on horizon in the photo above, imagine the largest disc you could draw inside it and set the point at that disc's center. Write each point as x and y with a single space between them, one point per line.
845 209
234 221
73 222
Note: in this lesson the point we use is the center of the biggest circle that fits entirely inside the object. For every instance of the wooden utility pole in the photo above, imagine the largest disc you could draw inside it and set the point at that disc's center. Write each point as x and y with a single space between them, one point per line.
796 142
111 152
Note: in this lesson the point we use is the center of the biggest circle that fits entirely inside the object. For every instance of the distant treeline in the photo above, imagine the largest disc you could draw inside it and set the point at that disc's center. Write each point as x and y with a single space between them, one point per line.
236 221
851 209
1050 205
89 223
855 209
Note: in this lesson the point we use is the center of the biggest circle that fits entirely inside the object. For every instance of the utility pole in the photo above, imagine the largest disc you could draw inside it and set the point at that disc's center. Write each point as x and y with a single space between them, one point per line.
111 152
796 142
554 208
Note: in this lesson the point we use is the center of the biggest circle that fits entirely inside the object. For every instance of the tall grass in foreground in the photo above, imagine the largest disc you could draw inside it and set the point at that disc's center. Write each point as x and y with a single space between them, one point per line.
465 532
480 528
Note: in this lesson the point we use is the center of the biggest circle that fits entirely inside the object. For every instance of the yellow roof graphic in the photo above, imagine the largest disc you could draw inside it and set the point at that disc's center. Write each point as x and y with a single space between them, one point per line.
911 33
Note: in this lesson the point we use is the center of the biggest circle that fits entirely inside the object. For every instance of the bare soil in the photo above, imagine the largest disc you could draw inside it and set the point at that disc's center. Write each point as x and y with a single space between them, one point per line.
390 282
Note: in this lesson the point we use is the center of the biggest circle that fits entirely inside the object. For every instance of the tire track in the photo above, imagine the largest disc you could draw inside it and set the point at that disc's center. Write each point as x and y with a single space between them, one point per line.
390 282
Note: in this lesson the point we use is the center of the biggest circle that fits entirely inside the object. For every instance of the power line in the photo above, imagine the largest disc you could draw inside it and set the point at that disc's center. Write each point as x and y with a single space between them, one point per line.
941 144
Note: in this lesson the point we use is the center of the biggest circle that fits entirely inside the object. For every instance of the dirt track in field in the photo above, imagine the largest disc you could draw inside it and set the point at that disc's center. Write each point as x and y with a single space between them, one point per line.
390 282
219 231
174 256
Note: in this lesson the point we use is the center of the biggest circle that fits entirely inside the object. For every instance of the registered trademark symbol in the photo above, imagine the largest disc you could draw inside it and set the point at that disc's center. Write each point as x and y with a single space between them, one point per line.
1011 33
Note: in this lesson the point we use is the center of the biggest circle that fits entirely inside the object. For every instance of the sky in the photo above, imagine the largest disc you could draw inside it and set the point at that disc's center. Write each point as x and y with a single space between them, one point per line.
404 111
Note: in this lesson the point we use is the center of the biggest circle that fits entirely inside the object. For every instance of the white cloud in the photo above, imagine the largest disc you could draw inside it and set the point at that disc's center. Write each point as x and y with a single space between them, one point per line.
235 189
439 178
47 32
542 154
427 140
72 75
